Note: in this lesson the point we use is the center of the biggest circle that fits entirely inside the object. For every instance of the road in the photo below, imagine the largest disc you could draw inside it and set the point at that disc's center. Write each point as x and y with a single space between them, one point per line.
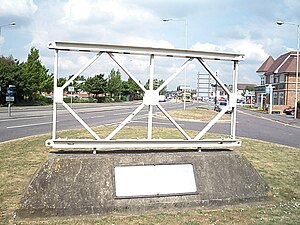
27 121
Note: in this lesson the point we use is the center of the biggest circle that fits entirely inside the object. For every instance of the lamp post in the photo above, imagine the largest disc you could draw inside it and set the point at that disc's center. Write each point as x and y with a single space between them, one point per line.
10 86
186 46
297 64
6 25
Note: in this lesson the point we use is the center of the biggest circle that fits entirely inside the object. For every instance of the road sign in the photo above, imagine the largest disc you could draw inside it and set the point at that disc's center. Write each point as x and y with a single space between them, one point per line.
71 89
10 92
10 98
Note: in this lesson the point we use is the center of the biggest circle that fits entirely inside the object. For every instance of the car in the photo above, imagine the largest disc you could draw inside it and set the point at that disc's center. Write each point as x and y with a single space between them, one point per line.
289 111
220 105
161 98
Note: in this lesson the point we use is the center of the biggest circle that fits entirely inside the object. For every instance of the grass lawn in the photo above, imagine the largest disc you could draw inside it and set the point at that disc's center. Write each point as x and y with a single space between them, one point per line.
202 114
279 166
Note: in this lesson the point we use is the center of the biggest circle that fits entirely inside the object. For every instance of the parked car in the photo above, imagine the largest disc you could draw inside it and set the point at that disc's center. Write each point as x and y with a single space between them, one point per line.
220 105
289 111
161 98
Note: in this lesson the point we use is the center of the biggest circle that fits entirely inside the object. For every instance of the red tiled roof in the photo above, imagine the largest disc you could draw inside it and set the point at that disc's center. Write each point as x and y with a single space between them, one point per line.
290 65
266 65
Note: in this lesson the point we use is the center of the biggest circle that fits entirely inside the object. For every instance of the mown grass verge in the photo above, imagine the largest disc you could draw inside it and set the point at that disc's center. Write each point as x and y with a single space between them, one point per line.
279 165
199 113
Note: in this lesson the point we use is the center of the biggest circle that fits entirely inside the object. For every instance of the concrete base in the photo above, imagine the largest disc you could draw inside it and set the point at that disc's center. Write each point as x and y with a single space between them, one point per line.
80 184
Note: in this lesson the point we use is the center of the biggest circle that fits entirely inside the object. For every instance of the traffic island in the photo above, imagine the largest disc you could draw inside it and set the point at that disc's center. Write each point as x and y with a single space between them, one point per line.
134 182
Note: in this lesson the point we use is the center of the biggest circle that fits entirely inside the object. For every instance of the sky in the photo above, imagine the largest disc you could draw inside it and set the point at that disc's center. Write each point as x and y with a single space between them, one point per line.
236 26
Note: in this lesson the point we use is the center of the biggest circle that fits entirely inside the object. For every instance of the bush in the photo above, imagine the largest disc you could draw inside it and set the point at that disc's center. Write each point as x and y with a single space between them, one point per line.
80 100
38 100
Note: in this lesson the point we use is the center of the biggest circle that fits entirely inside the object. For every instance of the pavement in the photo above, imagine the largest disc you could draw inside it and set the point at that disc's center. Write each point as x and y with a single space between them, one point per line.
280 118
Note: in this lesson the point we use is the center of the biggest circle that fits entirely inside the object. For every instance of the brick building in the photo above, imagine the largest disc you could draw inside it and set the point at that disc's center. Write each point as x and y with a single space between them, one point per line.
281 74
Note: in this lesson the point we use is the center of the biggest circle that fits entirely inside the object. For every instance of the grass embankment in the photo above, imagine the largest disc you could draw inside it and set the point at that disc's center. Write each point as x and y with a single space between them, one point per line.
202 114
279 165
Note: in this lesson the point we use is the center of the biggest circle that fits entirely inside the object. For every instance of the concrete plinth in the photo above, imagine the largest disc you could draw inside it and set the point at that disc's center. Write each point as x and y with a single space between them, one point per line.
81 184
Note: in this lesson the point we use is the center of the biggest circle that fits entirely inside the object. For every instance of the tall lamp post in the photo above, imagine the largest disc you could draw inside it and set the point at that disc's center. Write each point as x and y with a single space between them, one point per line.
186 46
297 64
6 25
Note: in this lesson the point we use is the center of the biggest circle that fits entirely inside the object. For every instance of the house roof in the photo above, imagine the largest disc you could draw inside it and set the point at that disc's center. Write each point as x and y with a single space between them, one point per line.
285 63
266 65
290 65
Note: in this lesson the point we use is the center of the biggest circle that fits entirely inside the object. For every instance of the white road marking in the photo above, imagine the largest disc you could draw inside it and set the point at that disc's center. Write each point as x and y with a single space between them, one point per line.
126 113
24 118
93 117
29 125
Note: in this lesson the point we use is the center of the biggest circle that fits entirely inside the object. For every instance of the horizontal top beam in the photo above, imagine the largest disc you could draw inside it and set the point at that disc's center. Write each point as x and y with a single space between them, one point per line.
135 50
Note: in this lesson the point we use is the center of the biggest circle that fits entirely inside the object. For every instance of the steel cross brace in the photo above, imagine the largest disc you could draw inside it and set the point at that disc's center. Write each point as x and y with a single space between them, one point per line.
150 98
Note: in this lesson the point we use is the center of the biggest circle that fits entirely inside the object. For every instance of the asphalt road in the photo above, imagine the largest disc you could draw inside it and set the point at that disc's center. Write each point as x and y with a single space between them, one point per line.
27 121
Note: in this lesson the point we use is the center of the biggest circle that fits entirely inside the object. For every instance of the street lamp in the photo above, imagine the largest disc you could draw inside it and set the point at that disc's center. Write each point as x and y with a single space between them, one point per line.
186 46
297 64
6 25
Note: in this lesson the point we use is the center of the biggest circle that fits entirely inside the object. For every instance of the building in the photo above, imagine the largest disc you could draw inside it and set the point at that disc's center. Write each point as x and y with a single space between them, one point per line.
281 75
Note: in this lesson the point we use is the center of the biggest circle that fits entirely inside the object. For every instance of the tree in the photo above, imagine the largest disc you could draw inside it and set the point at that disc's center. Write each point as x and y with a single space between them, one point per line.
36 78
114 83
61 81
156 84
79 82
10 74
134 89
248 89
96 85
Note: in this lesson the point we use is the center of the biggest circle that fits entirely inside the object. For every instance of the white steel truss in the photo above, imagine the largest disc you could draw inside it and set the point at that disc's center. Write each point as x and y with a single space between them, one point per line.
150 99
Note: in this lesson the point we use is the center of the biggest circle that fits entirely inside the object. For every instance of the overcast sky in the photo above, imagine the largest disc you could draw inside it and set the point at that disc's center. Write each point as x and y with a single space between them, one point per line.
247 27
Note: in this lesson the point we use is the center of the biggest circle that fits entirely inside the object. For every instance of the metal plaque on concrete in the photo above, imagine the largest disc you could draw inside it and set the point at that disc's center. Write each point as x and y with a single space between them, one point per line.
154 180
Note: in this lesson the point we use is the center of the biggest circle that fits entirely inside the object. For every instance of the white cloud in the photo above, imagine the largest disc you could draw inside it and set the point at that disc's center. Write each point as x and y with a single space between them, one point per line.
252 50
19 8
208 47
111 12
293 4
145 42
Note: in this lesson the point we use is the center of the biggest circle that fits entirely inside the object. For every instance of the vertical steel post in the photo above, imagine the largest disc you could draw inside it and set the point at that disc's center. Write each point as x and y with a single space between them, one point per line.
234 92
9 109
151 81
271 99
55 77
297 75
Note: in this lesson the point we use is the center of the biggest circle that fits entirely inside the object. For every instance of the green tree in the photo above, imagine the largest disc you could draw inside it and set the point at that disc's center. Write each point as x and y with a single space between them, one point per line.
79 82
156 84
96 85
248 89
114 83
61 81
133 89
36 78
10 74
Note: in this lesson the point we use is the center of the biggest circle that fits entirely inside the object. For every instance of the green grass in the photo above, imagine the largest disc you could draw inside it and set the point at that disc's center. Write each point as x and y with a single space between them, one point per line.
202 114
279 165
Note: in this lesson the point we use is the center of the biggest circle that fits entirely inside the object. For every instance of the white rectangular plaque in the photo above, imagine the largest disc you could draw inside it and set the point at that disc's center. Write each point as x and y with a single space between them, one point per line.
153 180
